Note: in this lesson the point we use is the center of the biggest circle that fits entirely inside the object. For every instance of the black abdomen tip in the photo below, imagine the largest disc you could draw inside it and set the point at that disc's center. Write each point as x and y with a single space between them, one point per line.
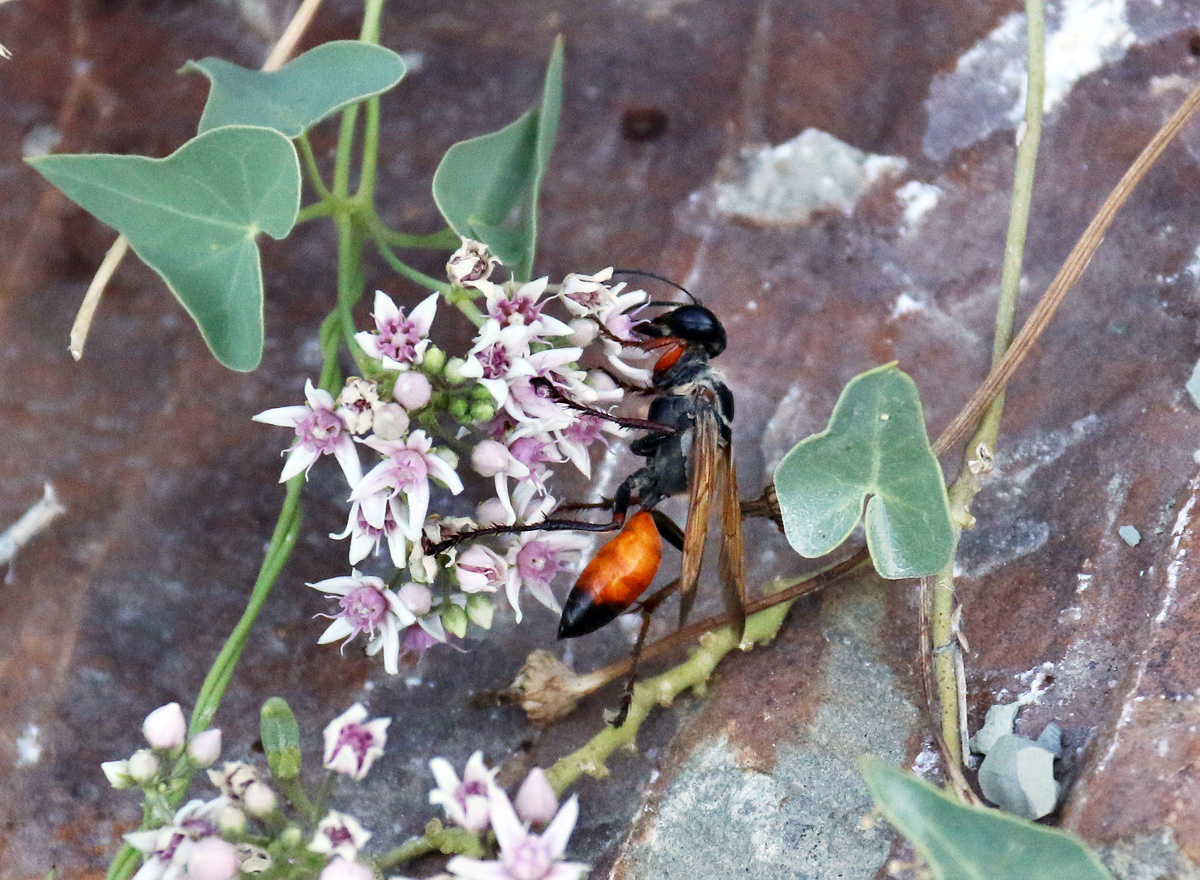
582 617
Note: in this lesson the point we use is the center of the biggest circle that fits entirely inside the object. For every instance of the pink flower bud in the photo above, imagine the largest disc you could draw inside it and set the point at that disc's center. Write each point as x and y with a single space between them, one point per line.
490 457
412 390
491 513
583 332
259 800
341 869
142 766
416 598
165 727
212 859
391 421
536 802
205 748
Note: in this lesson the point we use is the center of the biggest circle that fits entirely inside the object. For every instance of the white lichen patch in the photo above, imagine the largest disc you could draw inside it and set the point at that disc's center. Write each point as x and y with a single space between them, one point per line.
917 199
814 171
29 745
986 90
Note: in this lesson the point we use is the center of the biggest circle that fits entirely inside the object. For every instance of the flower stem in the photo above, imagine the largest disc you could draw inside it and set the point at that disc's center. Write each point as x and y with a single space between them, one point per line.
946 659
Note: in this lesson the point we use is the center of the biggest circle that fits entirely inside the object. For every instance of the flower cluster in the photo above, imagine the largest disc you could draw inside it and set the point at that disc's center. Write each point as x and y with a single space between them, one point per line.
531 831
517 402
257 824
247 827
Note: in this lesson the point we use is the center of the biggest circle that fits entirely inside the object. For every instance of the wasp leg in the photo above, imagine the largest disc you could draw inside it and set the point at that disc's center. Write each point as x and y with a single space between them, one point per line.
635 424
649 606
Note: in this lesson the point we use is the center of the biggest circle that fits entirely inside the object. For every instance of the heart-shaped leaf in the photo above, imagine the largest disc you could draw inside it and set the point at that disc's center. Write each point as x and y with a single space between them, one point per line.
193 218
487 187
970 843
302 92
875 448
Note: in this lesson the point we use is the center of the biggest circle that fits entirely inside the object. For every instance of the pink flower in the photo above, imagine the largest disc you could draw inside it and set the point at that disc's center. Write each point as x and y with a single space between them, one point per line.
536 801
351 746
166 851
480 570
533 561
320 430
465 801
399 340
346 869
524 856
205 748
367 607
366 538
510 304
212 859
405 471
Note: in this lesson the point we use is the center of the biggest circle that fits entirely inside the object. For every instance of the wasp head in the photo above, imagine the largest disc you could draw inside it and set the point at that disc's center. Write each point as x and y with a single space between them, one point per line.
693 324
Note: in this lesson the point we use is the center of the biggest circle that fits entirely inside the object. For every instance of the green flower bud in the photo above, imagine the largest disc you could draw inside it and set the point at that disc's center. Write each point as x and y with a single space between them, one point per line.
480 610
455 620
481 411
434 361
460 409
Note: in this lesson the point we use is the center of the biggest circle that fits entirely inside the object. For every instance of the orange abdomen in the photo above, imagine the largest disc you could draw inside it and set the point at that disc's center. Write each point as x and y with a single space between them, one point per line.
614 579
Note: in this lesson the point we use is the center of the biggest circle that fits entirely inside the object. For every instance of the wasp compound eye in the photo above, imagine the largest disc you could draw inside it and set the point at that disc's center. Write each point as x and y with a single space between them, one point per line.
695 325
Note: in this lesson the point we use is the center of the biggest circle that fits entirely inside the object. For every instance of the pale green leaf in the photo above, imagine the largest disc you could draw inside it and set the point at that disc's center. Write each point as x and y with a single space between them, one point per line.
194 218
302 92
971 843
487 187
875 449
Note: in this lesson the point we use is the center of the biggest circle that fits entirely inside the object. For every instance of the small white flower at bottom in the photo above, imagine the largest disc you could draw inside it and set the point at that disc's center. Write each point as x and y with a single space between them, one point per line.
523 855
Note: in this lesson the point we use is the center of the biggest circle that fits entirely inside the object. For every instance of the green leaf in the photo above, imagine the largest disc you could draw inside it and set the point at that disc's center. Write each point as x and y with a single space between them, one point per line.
302 92
487 187
193 218
280 738
874 448
971 843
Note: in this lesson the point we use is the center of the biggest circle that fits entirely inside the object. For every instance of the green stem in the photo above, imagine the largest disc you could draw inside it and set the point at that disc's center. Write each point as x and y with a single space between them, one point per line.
414 275
982 445
310 166
324 208
444 240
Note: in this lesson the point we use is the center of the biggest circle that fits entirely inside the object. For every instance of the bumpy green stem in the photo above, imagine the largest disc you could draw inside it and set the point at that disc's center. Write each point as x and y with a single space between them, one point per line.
979 448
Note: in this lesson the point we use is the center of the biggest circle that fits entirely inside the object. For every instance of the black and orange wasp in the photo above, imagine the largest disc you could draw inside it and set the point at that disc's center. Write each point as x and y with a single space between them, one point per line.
688 447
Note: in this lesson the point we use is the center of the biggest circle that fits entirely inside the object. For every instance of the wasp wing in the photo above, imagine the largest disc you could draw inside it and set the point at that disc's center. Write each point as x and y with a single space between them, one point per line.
706 447
732 561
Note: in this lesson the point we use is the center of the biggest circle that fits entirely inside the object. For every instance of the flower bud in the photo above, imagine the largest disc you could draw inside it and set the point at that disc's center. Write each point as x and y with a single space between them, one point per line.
460 410
480 610
536 802
142 766
231 821
454 372
165 727
205 748
455 620
341 869
391 421
491 513
490 457
412 389
117 773
434 361
470 264
212 858
416 598
291 837
482 411
447 455
583 332
259 800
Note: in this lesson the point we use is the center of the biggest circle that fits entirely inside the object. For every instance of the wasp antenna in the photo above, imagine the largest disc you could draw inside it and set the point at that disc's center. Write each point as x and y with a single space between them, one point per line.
657 278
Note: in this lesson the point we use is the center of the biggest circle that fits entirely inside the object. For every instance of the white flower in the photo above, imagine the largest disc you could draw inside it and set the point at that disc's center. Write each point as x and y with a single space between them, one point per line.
510 304
471 264
165 728
524 856
399 341
366 538
233 779
166 851
367 607
142 766
339 834
351 746
465 801
320 430
405 471
357 403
